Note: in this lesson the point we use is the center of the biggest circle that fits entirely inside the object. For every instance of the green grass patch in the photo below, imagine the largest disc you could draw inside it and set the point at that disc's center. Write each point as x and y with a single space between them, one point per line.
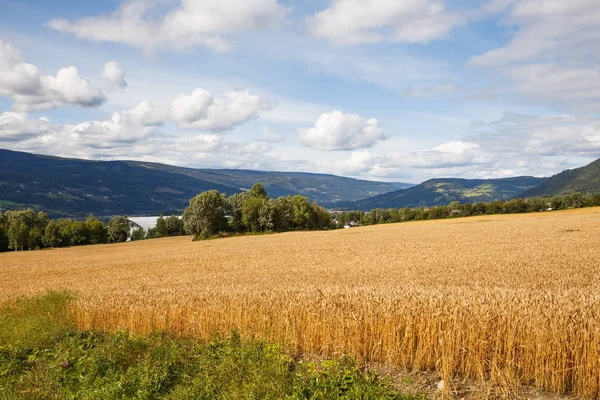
43 356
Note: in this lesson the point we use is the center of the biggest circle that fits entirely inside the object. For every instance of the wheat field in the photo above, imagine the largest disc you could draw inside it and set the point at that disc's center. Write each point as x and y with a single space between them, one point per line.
505 300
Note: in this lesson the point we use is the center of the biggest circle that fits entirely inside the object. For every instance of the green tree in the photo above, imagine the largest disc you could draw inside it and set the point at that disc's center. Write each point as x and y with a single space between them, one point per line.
26 229
283 218
258 191
233 207
118 229
205 217
303 210
98 233
174 226
161 227
138 234
251 213
267 216
3 232
52 237
18 232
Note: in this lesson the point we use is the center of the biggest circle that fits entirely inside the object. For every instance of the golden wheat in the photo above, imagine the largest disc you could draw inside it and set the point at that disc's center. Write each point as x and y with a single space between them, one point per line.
507 300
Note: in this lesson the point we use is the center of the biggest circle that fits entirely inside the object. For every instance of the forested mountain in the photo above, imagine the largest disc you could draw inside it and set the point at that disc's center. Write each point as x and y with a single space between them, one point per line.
72 187
583 180
442 191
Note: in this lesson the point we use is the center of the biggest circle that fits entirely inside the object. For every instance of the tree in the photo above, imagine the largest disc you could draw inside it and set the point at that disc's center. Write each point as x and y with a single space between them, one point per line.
138 234
3 232
321 218
233 207
161 227
258 191
283 219
118 229
302 212
18 232
96 230
204 217
174 226
52 237
251 213
79 234
25 229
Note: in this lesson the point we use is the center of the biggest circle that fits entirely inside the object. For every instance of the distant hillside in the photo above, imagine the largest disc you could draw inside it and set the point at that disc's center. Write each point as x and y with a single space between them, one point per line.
442 191
584 180
73 187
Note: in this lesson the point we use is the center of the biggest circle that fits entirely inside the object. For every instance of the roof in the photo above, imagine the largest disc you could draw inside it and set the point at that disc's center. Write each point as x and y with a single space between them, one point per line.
145 222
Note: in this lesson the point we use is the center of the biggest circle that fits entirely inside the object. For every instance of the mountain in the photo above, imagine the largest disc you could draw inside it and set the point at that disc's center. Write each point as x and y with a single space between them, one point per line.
442 191
584 180
73 187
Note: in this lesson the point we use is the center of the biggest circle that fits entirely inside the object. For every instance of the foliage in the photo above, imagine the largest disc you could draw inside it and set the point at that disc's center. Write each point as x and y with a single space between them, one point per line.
170 226
252 211
205 217
138 234
60 362
455 209
117 229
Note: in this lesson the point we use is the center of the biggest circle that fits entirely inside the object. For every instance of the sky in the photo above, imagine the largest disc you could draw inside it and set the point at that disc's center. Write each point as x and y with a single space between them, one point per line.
374 89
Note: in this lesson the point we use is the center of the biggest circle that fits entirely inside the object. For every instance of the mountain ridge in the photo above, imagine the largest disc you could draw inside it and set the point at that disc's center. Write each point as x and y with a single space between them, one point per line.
76 187
441 191
584 179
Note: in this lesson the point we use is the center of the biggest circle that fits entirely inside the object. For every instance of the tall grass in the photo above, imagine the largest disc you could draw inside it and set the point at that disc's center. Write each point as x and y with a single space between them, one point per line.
43 356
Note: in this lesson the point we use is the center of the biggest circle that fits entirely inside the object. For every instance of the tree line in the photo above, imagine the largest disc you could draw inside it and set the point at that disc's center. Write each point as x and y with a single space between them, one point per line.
30 230
209 214
456 209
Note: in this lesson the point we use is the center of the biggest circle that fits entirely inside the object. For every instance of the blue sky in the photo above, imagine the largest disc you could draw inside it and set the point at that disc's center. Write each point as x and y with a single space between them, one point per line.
375 89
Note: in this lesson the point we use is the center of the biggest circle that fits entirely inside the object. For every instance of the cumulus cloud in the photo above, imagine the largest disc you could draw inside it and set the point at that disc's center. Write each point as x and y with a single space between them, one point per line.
17 126
554 53
359 162
338 131
125 136
191 23
371 21
114 74
30 91
201 110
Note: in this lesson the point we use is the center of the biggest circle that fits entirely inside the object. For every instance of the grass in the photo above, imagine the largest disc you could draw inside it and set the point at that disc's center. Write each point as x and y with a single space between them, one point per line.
43 356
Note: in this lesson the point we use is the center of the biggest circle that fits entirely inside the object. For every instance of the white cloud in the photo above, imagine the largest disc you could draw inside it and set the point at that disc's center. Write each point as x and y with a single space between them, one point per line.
30 91
371 21
145 114
17 126
549 30
535 136
338 131
191 23
554 54
123 136
201 110
359 162
114 74
187 109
